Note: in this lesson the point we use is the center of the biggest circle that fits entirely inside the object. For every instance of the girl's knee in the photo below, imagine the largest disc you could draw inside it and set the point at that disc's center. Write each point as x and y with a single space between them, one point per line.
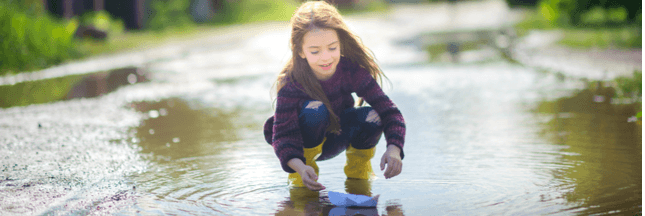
313 112
373 118
314 105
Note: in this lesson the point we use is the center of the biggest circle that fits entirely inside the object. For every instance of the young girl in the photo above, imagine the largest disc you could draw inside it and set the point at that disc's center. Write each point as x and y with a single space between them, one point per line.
315 118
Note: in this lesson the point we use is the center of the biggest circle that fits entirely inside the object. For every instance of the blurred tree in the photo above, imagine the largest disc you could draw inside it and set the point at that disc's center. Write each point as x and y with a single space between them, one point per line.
573 11
132 12
524 3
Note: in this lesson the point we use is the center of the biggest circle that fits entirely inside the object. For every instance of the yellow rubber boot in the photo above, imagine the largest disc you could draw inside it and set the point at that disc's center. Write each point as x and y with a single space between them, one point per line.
311 154
358 163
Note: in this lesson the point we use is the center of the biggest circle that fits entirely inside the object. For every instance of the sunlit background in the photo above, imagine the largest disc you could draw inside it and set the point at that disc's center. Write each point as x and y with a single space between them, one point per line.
156 107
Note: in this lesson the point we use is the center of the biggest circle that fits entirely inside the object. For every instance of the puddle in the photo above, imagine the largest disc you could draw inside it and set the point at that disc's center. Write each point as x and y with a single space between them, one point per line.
602 163
173 129
69 87
492 138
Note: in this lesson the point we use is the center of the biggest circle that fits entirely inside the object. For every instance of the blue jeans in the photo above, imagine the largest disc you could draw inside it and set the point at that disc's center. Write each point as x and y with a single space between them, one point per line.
361 127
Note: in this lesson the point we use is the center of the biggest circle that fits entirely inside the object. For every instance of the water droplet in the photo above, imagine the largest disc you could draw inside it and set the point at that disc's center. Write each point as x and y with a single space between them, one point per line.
153 113
163 112
175 140
168 145
598 98
151 131
132 78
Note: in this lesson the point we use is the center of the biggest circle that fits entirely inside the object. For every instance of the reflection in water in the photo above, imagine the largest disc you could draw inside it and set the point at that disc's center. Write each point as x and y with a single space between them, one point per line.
172 129
69 87
602 166
202 163
358 186
475 146
97 84
302 201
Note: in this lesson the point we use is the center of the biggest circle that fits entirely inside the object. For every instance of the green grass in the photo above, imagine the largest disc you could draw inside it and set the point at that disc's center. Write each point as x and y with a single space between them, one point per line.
262 10
630 87
368 6
141 39
617 36
241 12
247 11
610 37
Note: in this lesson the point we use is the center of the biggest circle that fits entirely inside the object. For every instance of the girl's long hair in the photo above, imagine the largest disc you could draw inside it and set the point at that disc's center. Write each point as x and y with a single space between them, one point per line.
321 15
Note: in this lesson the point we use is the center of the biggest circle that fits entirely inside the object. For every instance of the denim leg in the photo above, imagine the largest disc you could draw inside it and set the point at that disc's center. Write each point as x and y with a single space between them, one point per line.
313 120
360 126
367 129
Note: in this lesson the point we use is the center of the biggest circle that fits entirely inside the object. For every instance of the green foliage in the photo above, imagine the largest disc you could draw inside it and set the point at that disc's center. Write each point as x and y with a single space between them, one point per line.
618 37
522 3
622 36
630 87
169 13
591 12
533 20
32 41
30 7
364 6
103 21
245 11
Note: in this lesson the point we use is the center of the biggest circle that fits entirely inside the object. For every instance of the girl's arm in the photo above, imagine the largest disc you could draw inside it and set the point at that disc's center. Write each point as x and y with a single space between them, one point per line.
391 118
287 140
366 87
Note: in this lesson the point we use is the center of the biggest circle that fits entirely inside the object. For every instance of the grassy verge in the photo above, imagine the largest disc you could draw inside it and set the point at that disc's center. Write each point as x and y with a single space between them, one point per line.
247 11
614 37
365 7
141 39
603 37
628 89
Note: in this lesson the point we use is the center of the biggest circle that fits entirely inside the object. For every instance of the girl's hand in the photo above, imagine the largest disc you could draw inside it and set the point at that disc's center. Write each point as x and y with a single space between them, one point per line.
309 178
392 158
307 174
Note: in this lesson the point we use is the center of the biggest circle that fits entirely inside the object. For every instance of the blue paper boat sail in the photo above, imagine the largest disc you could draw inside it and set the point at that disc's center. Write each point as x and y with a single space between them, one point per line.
342 199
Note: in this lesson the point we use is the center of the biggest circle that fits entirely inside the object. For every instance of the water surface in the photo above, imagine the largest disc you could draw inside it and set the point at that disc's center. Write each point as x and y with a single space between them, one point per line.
483 138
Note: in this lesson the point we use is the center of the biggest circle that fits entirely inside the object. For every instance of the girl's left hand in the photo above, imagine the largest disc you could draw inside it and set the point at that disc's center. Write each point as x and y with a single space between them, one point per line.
392 158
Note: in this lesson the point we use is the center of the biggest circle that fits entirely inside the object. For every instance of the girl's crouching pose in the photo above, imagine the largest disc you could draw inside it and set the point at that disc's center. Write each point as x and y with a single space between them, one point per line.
315 118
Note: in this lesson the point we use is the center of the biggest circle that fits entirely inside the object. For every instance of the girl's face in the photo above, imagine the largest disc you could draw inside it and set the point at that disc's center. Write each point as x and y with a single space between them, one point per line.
321 48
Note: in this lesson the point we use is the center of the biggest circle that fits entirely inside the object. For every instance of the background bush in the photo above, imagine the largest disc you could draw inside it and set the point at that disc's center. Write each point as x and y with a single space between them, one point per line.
102 20
33 40
169 13
586 12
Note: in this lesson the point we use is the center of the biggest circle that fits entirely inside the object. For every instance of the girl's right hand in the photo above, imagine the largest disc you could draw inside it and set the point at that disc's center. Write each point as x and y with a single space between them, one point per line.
309 178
